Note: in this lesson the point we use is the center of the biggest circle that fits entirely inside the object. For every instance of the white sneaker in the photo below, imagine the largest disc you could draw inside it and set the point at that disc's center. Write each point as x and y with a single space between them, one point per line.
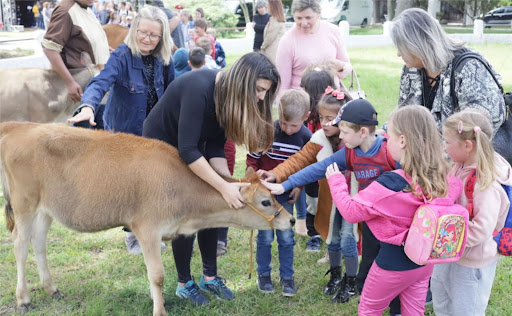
324 259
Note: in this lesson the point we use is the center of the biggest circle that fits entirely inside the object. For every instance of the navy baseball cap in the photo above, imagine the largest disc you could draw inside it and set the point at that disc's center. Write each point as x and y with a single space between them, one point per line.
358 111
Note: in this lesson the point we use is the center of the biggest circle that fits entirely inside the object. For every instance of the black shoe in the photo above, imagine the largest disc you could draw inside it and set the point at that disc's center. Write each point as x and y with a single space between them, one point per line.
351 286
313 244
334 283
265 284
288 287
342 296
348 289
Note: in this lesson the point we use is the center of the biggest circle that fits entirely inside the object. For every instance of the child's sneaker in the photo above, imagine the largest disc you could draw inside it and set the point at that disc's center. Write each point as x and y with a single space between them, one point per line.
288 287
190 291
217 287
335 282
265 284
325 258
313 244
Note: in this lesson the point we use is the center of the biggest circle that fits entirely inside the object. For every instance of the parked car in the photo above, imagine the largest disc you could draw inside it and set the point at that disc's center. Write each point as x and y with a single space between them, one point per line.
499 16
234 6
354 12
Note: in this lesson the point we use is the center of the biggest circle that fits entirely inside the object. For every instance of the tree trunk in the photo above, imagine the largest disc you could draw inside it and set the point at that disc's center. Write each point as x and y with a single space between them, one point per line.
245 10
402 5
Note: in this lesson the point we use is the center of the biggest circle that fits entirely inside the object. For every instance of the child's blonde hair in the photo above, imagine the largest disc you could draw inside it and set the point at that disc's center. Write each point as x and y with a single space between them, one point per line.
294 104
422 158
475 126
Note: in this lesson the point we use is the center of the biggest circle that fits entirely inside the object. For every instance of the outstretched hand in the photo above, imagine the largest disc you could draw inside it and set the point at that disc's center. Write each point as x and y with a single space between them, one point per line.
74 91
294 195
86 114
332 169
266 175
231 194
275 188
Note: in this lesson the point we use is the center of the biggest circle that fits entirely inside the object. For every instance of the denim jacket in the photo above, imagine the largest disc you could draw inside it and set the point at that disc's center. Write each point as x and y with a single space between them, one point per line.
125 110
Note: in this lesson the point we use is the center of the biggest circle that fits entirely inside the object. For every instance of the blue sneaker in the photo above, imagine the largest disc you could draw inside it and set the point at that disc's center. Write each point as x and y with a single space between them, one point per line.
217 287
190 291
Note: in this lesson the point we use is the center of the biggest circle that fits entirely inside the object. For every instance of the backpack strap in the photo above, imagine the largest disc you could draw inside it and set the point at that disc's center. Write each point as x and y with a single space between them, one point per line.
457 60
469 187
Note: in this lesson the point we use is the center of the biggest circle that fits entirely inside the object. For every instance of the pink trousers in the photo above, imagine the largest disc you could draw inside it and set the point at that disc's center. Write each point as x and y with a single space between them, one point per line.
382 286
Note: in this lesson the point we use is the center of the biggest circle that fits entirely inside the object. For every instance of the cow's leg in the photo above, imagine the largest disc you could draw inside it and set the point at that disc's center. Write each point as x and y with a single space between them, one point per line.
149 240
40 227
21 238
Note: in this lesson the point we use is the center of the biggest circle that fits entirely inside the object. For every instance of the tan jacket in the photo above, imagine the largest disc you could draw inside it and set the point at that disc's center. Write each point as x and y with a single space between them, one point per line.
271 36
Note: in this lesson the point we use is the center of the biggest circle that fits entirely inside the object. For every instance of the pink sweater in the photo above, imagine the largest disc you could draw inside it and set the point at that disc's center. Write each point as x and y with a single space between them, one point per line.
387 213
297 50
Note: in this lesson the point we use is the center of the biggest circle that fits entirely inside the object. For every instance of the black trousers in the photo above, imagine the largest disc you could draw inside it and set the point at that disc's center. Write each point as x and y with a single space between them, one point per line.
182 247
371 247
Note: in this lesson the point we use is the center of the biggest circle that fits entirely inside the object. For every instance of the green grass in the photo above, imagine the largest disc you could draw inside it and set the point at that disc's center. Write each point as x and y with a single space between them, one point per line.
98 277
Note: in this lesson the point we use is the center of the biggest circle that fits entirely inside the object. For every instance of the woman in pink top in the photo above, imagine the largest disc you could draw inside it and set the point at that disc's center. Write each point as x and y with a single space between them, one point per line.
309 41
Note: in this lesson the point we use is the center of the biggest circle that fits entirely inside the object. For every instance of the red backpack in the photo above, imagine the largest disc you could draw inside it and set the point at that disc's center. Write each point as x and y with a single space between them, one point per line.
503 238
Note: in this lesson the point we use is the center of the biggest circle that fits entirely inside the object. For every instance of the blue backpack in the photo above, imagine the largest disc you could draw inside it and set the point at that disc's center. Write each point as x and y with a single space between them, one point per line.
504 237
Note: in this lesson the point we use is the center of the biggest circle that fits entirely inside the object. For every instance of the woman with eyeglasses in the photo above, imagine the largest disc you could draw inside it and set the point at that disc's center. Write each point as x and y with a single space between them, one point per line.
137 73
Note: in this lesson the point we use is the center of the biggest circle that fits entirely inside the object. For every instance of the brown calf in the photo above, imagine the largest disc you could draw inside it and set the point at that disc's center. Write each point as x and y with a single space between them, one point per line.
94 180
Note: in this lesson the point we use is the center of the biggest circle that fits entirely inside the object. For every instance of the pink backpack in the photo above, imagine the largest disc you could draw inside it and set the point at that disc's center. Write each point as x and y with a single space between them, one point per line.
438 230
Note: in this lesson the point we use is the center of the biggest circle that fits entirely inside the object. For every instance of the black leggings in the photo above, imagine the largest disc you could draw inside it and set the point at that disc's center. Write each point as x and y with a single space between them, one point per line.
182 247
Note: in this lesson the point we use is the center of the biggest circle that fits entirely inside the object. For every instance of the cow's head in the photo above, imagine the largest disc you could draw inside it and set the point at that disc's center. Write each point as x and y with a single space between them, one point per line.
262 211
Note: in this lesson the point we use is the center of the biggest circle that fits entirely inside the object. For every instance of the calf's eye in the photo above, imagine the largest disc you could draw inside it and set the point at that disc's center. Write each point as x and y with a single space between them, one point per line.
266 203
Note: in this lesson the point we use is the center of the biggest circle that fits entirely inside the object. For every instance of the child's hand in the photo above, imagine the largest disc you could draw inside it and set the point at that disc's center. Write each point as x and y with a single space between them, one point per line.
266 175
294 195
275 188
331 170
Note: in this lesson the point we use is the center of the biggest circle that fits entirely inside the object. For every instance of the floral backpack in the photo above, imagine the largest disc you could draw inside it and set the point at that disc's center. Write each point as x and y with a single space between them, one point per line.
438 230
502 238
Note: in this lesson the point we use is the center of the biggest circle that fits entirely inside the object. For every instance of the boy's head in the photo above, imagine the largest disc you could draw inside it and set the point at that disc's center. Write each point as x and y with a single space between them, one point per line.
293 111
200 27
212 33
196 58
357 116
205 44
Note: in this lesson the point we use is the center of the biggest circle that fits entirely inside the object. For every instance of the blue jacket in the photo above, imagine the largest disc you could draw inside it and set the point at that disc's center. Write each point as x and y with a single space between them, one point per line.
125 110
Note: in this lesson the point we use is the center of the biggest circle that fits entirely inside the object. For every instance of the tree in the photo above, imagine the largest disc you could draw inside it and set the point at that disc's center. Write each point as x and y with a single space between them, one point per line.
243 5
472 9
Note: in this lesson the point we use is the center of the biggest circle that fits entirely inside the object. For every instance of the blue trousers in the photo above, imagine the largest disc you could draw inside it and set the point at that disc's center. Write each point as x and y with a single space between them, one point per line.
285 242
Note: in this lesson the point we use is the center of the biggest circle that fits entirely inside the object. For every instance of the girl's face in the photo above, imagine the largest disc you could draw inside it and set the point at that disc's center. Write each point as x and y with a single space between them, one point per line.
396 143
351 138
262 86
306 20
149 34
326 115
198 15
455 148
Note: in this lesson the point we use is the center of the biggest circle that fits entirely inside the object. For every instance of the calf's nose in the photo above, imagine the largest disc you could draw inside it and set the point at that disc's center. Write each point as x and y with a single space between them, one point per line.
292 221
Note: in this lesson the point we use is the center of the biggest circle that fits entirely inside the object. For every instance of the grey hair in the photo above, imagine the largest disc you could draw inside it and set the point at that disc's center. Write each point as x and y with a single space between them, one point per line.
163 49
416 33
261 3
301 5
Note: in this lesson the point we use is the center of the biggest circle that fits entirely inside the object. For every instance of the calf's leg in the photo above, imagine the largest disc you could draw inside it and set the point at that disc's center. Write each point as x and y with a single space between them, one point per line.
21 238
149 240
40 227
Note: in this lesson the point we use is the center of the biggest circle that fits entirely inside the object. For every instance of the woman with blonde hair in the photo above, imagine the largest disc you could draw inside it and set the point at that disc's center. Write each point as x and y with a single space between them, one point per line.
197 113
137 73
274 30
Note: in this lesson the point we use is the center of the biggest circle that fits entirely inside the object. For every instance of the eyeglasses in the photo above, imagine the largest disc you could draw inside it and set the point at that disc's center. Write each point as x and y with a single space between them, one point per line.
152 37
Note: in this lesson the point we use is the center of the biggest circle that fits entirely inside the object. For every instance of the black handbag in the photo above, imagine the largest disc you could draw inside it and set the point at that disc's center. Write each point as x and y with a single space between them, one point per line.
502 141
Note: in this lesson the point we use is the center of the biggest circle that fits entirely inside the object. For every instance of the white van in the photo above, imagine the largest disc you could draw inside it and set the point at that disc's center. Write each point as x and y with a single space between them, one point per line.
355 12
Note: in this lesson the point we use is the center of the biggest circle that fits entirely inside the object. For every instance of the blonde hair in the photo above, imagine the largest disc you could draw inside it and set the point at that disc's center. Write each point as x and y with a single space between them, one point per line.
416 33
246 119
462 125
423 158
163 49
294 104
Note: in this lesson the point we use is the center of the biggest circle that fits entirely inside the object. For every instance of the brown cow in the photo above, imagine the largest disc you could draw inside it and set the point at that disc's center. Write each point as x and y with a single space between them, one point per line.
94 180
39 95
115 34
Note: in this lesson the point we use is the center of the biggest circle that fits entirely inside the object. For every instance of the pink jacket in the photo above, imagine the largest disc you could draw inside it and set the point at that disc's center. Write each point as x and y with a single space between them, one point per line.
489 209
387 213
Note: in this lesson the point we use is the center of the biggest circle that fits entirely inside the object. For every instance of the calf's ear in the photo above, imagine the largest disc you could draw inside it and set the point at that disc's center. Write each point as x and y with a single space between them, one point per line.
249 172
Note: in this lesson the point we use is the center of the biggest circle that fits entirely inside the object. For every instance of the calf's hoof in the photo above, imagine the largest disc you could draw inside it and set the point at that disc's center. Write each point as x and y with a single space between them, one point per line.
24 308
57 295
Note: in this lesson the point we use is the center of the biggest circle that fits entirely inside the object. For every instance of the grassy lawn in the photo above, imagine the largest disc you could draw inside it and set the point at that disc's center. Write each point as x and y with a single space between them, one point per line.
98 277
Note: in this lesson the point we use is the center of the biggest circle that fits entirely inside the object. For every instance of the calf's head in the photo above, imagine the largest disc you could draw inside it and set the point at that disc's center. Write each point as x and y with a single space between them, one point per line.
261 210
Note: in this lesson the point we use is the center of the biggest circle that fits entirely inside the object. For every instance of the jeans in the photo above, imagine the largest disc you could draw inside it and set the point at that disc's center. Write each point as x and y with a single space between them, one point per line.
300 205
285 241
343 237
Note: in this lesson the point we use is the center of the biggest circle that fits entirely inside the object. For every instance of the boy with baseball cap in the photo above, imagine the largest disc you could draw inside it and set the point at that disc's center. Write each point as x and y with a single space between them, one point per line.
364 153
